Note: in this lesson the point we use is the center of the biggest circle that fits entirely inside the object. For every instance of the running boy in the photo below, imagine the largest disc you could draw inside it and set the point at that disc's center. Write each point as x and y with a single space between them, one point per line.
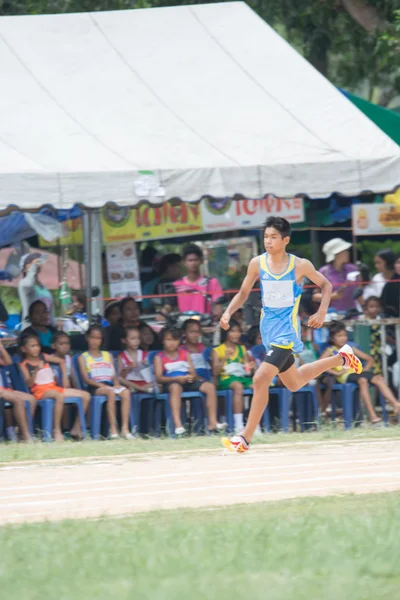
281 277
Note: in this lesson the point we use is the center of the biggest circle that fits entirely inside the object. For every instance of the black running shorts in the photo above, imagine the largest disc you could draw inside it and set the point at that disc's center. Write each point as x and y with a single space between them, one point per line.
281 358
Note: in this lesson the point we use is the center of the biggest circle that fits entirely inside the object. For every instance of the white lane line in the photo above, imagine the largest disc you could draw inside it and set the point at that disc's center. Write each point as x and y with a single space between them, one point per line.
168 453
236 486
90 489
179 473
70 513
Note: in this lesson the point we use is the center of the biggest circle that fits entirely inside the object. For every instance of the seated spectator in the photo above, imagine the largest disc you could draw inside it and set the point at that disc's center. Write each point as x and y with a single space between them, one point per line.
337 338
170 269
337 269
195 291
62 349
132 363
233 367
310 354
17 401
79 303
130 317
175 372
38 316
98 373
372 311
192 344
391 293
254 337
148 338
112 313
39 378
384 263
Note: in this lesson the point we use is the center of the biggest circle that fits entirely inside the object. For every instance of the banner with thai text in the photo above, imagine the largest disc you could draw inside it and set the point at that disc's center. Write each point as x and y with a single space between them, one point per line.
376 219
225 214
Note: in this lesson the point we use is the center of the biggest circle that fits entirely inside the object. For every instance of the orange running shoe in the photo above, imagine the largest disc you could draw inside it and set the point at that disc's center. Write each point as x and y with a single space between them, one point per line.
236 444
351 360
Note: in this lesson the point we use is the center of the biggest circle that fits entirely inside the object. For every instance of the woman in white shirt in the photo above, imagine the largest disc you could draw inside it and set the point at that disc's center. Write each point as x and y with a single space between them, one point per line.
384 264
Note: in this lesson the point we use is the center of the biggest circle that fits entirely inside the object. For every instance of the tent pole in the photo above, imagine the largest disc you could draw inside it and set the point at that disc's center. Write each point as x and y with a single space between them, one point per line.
87 240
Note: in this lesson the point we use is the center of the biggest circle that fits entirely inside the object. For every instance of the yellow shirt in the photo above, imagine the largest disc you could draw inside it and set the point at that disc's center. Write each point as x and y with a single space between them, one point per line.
343 377
239 356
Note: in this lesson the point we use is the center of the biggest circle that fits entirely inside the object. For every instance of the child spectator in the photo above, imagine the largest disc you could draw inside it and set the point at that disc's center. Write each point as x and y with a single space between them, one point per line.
79 303
17 401
132 363
233 366
62 349
148 338
310 354
372 310
39 319
337 338
174 370
192 333
39 378
98 373
112 313
130 317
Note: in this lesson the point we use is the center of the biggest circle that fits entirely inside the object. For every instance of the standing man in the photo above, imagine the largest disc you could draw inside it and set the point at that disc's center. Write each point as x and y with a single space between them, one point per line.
281 277
195 291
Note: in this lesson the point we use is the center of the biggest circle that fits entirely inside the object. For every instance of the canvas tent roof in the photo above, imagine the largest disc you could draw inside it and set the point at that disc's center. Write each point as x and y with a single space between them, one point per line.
207 97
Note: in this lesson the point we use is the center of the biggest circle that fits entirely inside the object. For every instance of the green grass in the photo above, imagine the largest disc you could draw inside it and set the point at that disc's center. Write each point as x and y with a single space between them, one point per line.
339 548
72 450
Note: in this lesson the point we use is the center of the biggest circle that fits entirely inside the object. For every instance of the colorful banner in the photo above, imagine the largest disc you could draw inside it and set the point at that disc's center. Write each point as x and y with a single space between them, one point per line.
73 238
376 219
123 270
225 214
151 223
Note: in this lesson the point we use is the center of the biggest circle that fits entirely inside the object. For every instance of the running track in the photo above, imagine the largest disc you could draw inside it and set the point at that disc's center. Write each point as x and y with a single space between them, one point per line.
88 488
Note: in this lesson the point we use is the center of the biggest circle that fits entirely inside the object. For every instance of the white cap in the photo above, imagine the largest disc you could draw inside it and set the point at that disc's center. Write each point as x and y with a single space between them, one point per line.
333 247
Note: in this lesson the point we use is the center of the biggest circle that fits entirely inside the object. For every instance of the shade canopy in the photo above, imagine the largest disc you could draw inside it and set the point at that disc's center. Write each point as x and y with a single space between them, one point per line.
173 102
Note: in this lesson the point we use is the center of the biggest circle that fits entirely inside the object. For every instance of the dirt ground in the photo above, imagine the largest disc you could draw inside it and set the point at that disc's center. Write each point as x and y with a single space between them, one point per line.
88 488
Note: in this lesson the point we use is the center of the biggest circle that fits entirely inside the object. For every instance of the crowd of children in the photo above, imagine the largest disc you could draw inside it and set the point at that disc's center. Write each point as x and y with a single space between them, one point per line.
181 364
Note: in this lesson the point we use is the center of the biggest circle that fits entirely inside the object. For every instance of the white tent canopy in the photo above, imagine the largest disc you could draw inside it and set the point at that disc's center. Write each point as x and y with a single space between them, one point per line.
209 98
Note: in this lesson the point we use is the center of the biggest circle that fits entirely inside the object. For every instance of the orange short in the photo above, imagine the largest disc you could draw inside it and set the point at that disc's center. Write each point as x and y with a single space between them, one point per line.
39 390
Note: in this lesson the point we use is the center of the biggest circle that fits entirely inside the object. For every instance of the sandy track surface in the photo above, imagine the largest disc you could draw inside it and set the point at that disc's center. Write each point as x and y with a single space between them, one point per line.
93 487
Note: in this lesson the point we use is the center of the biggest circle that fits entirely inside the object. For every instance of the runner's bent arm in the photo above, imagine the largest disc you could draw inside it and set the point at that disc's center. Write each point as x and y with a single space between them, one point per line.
253 273
307 269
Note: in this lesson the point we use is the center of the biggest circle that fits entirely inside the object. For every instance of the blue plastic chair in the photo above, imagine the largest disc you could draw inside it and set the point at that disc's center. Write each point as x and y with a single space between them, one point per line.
10 378
162 399
96 404
307 405
46 406
79 405
351 406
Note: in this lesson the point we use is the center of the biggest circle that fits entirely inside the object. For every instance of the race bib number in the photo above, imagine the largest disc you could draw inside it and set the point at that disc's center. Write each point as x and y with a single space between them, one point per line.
278 294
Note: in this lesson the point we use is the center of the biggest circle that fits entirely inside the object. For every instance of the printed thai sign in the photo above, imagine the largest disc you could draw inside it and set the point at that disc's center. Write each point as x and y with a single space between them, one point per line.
376 219
224 214
151 223
123 270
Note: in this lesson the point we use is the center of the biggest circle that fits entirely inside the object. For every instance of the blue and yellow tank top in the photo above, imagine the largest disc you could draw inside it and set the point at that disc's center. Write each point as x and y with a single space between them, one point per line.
280 297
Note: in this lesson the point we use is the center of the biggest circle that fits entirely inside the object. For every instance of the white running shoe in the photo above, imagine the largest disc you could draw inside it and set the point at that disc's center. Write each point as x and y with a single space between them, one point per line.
221 426
180 431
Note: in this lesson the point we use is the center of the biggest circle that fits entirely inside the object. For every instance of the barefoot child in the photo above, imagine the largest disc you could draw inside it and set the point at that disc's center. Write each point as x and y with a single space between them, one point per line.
192 333
98 373
62 349
39 378
132 363
16 399
338 338
233 367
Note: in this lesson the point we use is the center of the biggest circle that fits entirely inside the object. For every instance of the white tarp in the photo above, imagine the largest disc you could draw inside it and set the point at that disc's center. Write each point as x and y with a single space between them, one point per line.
209 98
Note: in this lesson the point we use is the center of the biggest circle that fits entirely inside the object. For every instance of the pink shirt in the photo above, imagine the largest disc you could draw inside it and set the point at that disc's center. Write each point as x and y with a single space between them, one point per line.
205 287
